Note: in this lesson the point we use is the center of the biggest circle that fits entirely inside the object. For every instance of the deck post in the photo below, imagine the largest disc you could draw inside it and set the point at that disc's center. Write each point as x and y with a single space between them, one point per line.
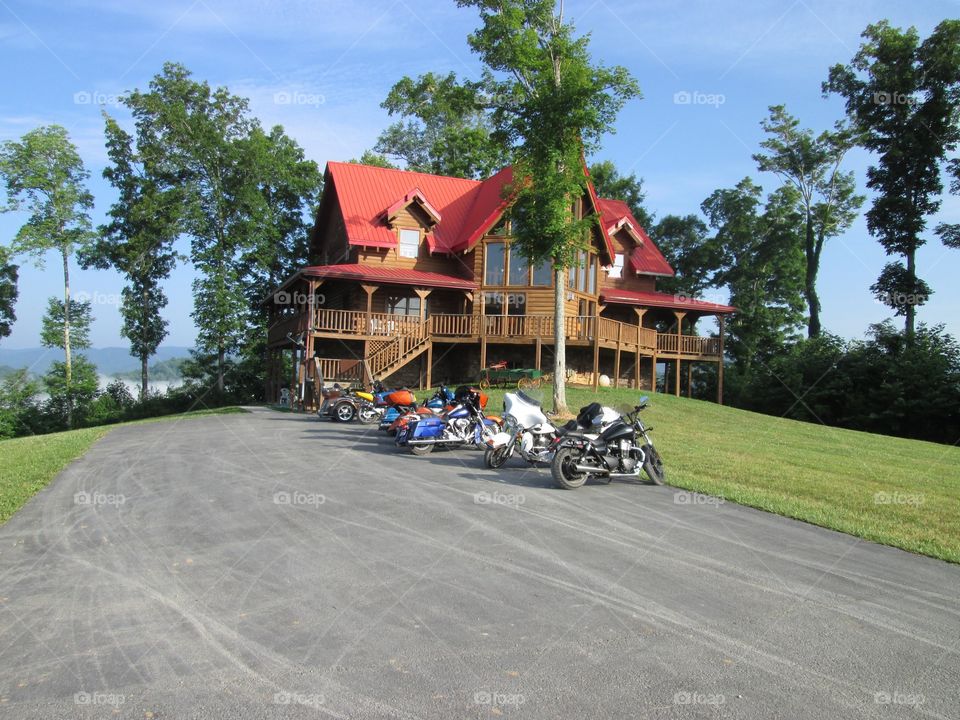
679 315
616 361
596 347
636 369
483 351
429 364
689 379
369 290
539 351
720 365
653 372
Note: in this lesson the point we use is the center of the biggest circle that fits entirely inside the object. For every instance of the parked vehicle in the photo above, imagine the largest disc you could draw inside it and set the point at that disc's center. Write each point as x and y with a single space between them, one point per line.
528 433
464 424
353 403
622 449
393 414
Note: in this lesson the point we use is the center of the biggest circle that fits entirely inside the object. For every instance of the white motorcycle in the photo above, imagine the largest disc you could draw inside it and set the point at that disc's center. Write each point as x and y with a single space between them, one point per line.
528 433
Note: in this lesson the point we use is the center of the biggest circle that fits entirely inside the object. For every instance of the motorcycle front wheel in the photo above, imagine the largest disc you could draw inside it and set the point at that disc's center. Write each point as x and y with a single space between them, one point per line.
563 469
495 457
653 466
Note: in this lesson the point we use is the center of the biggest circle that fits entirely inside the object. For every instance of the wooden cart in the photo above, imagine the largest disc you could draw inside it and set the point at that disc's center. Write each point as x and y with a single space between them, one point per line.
499 375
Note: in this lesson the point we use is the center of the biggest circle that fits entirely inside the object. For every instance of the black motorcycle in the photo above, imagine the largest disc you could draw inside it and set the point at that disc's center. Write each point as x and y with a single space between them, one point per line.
622 449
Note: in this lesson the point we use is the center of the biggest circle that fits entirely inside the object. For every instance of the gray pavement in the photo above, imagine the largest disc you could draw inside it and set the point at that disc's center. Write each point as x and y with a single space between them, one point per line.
271 565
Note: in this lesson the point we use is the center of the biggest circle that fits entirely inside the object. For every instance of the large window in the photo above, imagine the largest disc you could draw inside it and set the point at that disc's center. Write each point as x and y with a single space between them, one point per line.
409 243
495 256
582 270
543 274
516 304
592 275
404 305
519 268
493 303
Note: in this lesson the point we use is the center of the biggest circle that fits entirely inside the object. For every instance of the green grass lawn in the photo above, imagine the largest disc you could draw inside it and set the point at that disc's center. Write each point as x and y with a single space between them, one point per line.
27 464
903 493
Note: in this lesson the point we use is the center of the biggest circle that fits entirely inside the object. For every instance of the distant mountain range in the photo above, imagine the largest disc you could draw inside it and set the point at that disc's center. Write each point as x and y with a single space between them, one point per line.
109 360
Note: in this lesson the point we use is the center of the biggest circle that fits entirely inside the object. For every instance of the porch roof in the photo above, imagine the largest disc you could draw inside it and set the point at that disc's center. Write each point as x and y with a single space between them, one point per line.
663 300
388 275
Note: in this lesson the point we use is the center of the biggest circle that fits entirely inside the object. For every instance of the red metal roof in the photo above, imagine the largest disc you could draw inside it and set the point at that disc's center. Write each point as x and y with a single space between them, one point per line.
487 207
646 257
365 192
389 275
665 300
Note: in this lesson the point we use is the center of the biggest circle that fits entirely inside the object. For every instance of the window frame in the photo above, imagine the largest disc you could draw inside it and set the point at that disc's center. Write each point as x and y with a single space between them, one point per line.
400 243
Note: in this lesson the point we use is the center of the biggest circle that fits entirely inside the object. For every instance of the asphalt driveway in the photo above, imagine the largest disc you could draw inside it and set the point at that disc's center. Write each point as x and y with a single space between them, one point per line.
270 565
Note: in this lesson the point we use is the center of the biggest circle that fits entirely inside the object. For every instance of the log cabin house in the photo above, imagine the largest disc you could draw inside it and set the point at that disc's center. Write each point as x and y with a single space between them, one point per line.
412 279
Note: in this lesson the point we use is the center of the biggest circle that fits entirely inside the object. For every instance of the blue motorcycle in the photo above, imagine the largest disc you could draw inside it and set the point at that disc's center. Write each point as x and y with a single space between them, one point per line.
437 402
464 424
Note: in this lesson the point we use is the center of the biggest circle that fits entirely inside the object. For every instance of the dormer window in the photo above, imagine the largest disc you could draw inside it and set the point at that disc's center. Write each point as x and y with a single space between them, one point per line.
616 271
409 243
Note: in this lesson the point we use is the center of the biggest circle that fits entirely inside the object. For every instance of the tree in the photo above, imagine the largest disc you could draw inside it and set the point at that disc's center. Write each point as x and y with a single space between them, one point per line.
761 262
81 319
950 232
9 274
827 197
202 131
686 244
369 157
551 103
446 129
138 239
70 402
609 183
903 99
45 177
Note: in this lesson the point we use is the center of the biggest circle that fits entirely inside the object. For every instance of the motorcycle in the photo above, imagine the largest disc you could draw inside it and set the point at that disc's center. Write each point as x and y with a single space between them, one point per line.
528 433
396 415
622 449
353 403
465 423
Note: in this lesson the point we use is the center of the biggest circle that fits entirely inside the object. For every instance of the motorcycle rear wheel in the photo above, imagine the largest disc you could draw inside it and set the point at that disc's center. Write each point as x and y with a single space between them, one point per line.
368 416
496 457
562 469
421 450
653 466
344 412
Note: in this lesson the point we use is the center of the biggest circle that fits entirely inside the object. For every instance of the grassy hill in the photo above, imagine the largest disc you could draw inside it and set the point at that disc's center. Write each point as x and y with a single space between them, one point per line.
904 493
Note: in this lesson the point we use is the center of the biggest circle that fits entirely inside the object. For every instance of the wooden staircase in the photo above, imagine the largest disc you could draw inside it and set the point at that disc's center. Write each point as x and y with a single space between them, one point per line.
385 357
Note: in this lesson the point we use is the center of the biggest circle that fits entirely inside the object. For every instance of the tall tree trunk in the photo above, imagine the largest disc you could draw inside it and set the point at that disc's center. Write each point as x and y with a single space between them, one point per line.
220 360
68 361
559 341
810 284
911 307
144 376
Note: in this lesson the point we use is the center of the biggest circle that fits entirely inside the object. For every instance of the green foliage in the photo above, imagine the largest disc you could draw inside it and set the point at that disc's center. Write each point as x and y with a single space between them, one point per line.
903 98
446 128
81 318
761 262
20 412
9 274
369 157
686 244
887 384
609 183
73 397
826 197
169 369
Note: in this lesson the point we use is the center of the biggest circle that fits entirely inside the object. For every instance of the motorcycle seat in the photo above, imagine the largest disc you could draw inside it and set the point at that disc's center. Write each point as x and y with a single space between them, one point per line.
569 428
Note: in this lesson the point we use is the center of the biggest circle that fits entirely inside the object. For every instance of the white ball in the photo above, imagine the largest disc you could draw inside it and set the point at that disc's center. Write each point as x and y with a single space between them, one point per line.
604 381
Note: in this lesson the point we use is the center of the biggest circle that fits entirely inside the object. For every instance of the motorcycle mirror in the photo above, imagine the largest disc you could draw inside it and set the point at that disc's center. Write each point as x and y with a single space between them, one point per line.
644 399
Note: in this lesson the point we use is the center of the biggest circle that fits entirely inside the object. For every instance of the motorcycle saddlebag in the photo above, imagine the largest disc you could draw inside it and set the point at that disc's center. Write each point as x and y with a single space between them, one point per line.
587 414
428 427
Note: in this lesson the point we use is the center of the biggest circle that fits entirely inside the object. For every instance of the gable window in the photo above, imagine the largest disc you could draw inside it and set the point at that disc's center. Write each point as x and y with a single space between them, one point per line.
617 270
494 257
409 243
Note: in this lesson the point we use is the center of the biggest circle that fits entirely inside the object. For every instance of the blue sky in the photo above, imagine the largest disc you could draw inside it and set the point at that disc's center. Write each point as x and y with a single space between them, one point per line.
321 68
